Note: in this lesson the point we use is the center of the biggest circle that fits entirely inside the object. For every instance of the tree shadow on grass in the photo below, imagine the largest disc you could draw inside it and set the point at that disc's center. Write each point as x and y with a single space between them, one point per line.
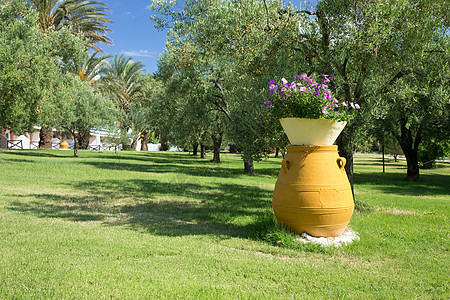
157 162
77 209
208 169
165 158
392 164
174 209
40 153
394 183
16 160
176 163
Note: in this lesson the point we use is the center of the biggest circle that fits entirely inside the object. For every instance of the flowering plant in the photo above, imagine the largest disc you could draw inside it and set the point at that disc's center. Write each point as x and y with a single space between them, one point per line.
305 97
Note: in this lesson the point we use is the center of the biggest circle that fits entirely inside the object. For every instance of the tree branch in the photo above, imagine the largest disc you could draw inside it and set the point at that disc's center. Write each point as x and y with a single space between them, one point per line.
221 97
434 51
267 13
397 76
346 85
285 11
222 109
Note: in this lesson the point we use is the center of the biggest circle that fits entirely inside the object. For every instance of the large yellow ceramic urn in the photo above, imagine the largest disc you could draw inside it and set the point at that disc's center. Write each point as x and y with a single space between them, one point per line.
312 193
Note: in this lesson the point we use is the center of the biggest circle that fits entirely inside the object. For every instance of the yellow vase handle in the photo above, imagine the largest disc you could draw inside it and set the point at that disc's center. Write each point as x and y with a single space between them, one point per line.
341 161
285 164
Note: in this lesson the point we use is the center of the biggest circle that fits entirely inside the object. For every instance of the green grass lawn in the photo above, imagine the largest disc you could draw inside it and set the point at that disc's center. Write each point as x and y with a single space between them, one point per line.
133 225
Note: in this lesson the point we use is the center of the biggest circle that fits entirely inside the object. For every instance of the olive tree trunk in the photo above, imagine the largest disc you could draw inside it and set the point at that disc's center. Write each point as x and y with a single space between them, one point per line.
202 151
194 149
144 141
45 138
217 142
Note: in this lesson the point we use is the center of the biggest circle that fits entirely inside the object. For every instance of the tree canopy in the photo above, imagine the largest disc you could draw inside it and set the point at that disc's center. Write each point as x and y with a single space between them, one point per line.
238 46
29 67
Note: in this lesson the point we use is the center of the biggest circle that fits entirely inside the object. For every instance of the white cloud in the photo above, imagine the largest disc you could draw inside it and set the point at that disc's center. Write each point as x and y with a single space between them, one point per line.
140 53
128 13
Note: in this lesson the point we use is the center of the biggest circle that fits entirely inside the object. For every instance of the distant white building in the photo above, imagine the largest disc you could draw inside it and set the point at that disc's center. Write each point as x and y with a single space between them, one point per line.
11 140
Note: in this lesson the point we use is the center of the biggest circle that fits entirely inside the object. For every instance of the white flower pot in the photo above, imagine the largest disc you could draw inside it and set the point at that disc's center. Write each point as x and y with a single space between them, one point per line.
308 132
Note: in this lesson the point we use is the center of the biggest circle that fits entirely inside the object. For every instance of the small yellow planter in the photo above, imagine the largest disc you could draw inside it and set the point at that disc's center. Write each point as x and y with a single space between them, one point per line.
312 193
64 145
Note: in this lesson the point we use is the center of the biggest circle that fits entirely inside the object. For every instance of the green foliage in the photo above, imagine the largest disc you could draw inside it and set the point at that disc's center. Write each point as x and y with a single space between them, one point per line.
115 139
185 109
88 68
396 70
391 146
124 83
233 50
29 74
412 76
83 108
139 119
88 18
432 150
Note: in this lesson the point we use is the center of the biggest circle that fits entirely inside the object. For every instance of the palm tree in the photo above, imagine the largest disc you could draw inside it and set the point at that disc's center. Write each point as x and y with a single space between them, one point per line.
80 16
88 70
139 116
124 82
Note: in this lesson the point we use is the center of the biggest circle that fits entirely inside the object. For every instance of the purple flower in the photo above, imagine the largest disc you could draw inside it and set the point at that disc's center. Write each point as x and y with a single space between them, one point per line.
268 104
311 91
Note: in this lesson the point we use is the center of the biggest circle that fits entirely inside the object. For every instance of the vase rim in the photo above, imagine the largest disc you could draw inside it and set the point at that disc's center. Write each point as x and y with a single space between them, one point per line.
311 119
301 148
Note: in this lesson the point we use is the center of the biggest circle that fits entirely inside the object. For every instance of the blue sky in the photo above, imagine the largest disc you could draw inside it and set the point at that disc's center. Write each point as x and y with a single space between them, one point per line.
133 33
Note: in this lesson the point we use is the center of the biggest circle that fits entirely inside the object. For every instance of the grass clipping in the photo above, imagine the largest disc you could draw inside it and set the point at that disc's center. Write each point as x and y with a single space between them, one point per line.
346 238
